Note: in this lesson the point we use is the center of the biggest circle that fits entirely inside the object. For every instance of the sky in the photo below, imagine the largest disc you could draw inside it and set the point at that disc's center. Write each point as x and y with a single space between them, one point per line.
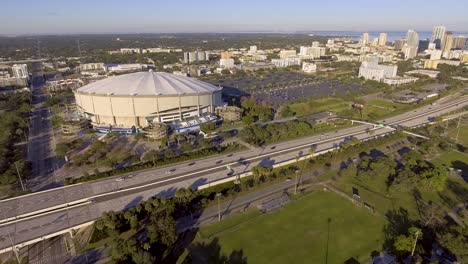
173 16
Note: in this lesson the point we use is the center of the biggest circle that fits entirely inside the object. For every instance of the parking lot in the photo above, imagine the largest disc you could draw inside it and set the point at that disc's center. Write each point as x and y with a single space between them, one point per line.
280 87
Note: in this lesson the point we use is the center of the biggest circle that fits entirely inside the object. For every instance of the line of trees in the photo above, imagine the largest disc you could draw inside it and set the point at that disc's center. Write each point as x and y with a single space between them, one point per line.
14 115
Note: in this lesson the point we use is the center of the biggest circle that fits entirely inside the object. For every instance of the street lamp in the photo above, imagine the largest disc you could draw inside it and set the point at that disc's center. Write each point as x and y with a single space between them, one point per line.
219 206
19 176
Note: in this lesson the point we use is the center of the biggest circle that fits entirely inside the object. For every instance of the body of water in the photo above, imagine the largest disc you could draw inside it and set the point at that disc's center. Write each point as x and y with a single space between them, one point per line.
391 35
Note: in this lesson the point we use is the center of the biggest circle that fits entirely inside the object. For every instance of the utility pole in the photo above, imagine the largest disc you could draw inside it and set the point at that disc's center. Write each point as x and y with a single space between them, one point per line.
414 245
458 127
19 177
219 207
295 184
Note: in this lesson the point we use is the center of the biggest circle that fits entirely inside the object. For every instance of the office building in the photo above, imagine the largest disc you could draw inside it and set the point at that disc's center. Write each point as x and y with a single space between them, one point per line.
97 66
423 45
253 49
20 71
286 62
374 71
399 80
433 64
459 42
365 39
447 42
431 46
330 42
382 39
409 51
309 67
130 50
315 44
438 34
412 38
196 56
287 54
226 63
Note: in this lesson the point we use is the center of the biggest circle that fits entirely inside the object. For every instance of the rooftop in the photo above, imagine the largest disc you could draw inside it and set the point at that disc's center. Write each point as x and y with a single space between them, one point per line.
148 83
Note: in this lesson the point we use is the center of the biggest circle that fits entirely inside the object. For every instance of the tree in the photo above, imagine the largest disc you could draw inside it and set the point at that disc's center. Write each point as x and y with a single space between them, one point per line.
433 177
152 156
455 239
407 243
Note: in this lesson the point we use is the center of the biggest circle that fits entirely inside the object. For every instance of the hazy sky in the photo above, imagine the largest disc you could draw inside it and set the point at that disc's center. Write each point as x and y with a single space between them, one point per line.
138 16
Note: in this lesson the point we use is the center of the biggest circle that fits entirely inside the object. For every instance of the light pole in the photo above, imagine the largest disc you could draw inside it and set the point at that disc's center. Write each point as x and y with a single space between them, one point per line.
19 177
219 207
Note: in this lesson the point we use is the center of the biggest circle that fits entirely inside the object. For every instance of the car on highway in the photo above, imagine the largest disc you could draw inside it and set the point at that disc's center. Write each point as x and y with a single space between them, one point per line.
120 179
170 171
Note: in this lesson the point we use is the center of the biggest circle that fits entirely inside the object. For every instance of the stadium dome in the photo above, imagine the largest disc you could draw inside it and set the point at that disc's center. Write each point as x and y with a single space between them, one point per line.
148 83
144 98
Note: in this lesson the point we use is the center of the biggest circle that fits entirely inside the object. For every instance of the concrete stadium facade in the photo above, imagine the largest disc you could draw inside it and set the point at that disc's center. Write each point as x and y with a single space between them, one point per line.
144 98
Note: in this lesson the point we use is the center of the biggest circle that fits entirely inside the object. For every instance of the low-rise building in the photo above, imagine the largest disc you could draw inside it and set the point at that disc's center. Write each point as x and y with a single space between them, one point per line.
283 54
126 67
432 74
226 63
97 66
399 80
374 71
130 50
286 62
257 66
65 84
433 64
309 67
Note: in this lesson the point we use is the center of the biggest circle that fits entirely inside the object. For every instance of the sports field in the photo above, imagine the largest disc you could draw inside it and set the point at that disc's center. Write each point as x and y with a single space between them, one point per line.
300 232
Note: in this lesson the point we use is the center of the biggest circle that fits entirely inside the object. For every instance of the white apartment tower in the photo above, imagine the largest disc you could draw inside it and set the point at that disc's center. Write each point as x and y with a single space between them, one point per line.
412 38
438 35
20 71
383 39
365 38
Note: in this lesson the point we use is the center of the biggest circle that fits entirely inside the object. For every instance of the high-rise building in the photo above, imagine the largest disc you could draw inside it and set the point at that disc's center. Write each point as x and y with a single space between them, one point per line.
399 43
409 51
287 54
423 45
253 49
20 71
412 38
447 44
195 56
383 39
365 38
459 42
315 44
438 35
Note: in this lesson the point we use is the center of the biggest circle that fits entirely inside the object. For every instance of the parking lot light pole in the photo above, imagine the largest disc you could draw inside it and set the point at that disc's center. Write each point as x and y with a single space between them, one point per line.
219 207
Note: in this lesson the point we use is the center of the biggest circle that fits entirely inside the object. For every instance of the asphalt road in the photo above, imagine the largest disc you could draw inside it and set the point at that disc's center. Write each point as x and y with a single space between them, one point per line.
109 194
40 151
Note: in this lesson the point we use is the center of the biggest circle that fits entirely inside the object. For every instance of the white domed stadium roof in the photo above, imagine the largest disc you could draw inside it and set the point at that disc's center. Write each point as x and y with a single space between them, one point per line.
148 83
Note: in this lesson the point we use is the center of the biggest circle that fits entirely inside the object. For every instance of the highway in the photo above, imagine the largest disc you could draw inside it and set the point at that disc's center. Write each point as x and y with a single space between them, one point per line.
31 216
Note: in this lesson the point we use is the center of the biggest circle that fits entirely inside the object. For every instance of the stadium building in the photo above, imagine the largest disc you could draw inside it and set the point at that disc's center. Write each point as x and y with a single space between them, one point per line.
143 99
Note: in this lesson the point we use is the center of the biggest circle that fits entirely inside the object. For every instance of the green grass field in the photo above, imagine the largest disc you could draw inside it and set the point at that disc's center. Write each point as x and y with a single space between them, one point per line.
319 105
462 135
298 233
